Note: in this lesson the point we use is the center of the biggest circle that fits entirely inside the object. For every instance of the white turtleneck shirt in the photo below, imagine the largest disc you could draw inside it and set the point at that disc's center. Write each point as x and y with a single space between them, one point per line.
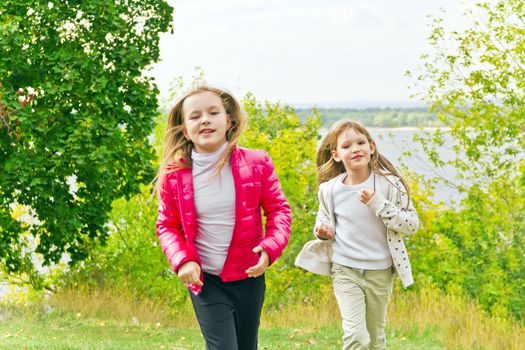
214 195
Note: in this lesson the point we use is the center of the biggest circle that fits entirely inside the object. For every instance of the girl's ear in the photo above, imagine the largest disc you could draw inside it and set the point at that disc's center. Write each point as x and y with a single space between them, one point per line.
373 147
228 122
336 156
185 133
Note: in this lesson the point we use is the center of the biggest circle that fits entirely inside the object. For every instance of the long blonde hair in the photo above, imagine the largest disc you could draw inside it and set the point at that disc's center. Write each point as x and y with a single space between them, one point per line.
177 149
328 168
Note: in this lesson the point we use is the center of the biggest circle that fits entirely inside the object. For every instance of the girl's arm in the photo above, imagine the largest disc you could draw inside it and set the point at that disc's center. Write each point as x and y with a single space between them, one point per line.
169 229
394 215
277 212
322 215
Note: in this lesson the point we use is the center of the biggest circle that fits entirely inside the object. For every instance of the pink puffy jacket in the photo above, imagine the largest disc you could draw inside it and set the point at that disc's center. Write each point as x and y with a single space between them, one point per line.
256 186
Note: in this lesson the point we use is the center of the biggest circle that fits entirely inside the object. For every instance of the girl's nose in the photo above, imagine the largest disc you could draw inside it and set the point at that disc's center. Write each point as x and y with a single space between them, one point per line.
205 118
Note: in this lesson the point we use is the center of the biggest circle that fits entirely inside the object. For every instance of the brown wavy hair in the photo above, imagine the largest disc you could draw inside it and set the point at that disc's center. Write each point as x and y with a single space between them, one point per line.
177 149
328 168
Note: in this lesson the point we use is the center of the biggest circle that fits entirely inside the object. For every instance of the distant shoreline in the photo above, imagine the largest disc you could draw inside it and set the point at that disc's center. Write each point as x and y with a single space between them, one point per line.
404 128
399 128
359 105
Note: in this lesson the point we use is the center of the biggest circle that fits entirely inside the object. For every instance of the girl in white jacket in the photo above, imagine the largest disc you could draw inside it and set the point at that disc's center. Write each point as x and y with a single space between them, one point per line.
364 208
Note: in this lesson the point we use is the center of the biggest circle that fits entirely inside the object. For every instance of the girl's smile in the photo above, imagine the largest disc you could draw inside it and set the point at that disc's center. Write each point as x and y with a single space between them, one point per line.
206 131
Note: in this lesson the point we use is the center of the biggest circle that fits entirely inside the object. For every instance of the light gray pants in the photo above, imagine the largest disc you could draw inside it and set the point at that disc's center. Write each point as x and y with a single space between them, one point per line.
362 296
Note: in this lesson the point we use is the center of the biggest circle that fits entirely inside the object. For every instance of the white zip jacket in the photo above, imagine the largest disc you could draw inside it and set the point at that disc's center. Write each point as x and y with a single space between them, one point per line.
316 255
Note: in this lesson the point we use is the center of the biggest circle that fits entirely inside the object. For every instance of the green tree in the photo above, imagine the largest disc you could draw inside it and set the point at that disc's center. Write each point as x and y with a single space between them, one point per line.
475 81
83 141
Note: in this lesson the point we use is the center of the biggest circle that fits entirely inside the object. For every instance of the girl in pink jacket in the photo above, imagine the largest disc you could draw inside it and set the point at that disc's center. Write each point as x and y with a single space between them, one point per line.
209 224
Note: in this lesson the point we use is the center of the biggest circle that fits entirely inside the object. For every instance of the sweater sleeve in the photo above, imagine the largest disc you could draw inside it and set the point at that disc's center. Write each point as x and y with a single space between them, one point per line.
322 214
396 216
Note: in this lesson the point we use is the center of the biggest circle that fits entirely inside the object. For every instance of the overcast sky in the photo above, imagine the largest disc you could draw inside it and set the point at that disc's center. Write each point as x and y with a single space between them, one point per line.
300 51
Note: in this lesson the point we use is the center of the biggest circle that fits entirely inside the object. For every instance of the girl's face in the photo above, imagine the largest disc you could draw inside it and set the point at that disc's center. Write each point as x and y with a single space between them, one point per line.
354 150
205 121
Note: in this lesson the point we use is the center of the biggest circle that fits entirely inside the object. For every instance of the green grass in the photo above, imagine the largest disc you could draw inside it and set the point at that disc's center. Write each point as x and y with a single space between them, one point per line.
330 338
61 331
419 319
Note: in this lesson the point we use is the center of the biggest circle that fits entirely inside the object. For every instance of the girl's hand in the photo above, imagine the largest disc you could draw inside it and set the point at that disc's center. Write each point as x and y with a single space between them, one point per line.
324 231
262 265
190 273
366 196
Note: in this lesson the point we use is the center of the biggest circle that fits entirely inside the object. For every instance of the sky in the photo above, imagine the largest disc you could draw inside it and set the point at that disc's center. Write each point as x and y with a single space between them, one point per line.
324 53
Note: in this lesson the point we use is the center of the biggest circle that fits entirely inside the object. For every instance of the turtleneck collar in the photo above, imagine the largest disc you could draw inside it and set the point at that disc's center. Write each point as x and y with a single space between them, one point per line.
207 159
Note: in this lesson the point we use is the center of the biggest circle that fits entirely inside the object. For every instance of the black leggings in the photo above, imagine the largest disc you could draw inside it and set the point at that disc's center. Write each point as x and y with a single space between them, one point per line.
229 312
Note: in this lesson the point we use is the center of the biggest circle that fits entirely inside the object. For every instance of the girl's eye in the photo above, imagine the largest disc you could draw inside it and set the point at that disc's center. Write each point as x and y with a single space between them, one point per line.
194 117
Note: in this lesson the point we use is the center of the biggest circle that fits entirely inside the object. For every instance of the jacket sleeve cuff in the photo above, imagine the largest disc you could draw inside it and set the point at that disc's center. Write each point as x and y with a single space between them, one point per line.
272 253
182 262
